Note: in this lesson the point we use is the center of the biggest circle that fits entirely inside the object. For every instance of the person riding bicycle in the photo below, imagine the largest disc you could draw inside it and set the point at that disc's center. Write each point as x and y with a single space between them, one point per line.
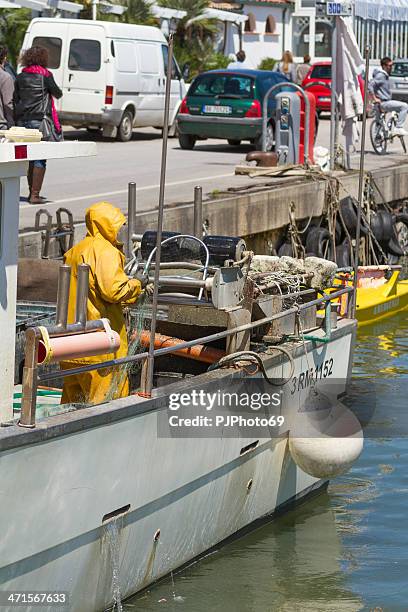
380 89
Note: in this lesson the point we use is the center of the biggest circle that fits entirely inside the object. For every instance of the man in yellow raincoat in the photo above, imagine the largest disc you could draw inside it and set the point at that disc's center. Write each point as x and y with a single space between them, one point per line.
109 288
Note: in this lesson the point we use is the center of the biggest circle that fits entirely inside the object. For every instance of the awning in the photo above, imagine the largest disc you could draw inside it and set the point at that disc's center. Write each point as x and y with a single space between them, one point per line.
42 5
167 13
211 13
9 5
384 10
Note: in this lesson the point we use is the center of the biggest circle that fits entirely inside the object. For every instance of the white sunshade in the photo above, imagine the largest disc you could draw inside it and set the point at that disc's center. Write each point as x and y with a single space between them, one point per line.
9 5
382 10
211 13
167 13
41 5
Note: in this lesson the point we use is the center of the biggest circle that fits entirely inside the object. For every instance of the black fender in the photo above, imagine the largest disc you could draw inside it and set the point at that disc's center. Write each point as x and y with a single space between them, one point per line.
343 257
285 249
316 242
394 247
388 225
348 208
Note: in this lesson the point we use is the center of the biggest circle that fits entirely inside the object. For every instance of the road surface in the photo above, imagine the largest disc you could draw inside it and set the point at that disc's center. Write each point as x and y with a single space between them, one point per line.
77 183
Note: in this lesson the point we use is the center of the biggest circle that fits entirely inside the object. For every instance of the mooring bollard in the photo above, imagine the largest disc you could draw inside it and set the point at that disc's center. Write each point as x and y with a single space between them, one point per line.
131 222
198 212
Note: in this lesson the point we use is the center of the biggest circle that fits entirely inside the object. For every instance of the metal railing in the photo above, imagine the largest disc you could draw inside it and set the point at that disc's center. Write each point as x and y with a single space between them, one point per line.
31 377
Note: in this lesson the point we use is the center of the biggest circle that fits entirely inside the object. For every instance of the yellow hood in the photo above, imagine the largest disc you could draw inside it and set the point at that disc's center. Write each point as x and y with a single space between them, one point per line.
105 219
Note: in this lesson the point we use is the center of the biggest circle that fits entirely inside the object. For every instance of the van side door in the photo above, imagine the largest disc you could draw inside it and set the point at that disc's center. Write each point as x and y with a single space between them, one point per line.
150 108
85 71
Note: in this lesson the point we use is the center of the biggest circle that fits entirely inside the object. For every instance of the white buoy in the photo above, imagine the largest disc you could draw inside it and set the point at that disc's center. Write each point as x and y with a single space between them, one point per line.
325 442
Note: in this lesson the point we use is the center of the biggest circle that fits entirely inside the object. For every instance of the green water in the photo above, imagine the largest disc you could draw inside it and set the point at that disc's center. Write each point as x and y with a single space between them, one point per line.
345 550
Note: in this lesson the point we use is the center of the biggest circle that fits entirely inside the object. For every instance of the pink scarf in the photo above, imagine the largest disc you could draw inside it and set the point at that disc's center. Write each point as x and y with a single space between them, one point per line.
40 70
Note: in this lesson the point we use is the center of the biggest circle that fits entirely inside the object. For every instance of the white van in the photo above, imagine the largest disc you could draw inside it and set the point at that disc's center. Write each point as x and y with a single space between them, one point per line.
113 75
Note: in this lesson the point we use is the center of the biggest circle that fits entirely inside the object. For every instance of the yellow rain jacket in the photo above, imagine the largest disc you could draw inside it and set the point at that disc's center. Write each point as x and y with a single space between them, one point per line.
109 288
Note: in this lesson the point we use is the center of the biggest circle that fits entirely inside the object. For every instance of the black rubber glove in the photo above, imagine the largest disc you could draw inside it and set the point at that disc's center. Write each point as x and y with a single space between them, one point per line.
143 278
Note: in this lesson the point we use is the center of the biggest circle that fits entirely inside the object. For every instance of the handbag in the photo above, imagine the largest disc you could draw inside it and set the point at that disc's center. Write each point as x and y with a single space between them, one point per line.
47 127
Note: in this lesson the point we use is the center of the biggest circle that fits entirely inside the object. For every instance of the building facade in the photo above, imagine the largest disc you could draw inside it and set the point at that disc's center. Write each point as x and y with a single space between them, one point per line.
301 26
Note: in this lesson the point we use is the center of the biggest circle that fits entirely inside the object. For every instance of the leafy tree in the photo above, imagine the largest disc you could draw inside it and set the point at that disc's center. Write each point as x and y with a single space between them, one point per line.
268 63
194 40
13 25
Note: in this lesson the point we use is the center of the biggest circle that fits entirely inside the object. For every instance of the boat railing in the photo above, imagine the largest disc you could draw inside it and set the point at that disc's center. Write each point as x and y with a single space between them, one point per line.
31 378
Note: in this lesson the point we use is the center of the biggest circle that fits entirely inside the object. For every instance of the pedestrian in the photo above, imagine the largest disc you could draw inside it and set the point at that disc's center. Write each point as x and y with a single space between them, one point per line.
380 90
6 93
286 66
240 63
35 90
303 69
109 289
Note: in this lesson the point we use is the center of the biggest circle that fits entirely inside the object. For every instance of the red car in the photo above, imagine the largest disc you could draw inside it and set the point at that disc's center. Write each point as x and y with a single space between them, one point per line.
321 71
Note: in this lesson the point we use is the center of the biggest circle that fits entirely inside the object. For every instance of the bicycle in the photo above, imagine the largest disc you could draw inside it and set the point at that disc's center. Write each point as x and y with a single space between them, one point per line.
381 130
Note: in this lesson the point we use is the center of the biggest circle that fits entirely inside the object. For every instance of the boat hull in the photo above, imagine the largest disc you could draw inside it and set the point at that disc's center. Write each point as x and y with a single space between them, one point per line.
179 496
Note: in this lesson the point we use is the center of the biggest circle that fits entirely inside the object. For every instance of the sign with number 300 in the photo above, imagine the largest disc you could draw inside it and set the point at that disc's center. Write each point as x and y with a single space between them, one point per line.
338 9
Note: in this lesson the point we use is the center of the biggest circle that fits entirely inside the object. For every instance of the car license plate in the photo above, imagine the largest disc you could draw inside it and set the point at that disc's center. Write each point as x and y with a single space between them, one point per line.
220 110
401 85
324 99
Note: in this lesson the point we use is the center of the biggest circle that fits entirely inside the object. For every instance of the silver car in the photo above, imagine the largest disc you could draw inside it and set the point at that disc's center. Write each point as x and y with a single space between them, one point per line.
399 80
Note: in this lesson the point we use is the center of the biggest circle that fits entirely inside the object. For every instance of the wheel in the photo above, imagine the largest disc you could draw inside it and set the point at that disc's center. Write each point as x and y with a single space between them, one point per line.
233 143
270 139
401 230
285 249
319 241
125 128
378 136
187 141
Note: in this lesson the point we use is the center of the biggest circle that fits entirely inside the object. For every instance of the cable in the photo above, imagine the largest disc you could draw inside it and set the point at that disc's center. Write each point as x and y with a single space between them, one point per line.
250 356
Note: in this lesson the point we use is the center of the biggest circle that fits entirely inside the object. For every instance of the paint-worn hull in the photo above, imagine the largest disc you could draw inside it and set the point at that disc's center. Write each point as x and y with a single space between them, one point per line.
184 495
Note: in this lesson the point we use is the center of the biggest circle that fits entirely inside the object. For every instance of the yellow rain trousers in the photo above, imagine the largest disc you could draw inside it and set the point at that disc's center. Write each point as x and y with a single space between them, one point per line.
109 288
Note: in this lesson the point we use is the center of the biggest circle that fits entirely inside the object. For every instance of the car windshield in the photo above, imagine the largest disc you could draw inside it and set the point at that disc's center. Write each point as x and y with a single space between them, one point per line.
321 72
223 86
399 69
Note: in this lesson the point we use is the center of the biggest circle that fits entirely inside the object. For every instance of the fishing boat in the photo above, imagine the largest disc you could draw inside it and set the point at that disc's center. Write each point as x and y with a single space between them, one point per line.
99 502
380 292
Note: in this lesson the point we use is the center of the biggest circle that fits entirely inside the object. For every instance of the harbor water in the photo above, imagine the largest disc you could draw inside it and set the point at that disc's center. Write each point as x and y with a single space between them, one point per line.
346 549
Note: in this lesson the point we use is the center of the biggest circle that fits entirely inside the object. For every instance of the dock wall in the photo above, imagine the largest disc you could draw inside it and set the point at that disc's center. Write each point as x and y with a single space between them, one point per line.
257 212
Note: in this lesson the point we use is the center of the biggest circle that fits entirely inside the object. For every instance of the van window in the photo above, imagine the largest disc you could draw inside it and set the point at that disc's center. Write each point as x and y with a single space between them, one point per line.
53 46
126 56
149 62
175 71
84 55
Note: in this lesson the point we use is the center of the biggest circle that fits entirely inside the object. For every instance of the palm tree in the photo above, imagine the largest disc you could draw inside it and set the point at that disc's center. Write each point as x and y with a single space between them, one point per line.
13 24
194 39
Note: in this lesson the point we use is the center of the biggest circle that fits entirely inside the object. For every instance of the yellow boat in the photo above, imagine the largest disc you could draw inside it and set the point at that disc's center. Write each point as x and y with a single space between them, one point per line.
380 293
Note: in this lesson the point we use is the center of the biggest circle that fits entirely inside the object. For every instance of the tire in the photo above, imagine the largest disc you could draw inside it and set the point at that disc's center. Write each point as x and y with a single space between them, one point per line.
233 143
401 230
378 137
285 249
343 258
125 128
376 225
394 247
388 225
319 241
270 139
349 214
187 141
